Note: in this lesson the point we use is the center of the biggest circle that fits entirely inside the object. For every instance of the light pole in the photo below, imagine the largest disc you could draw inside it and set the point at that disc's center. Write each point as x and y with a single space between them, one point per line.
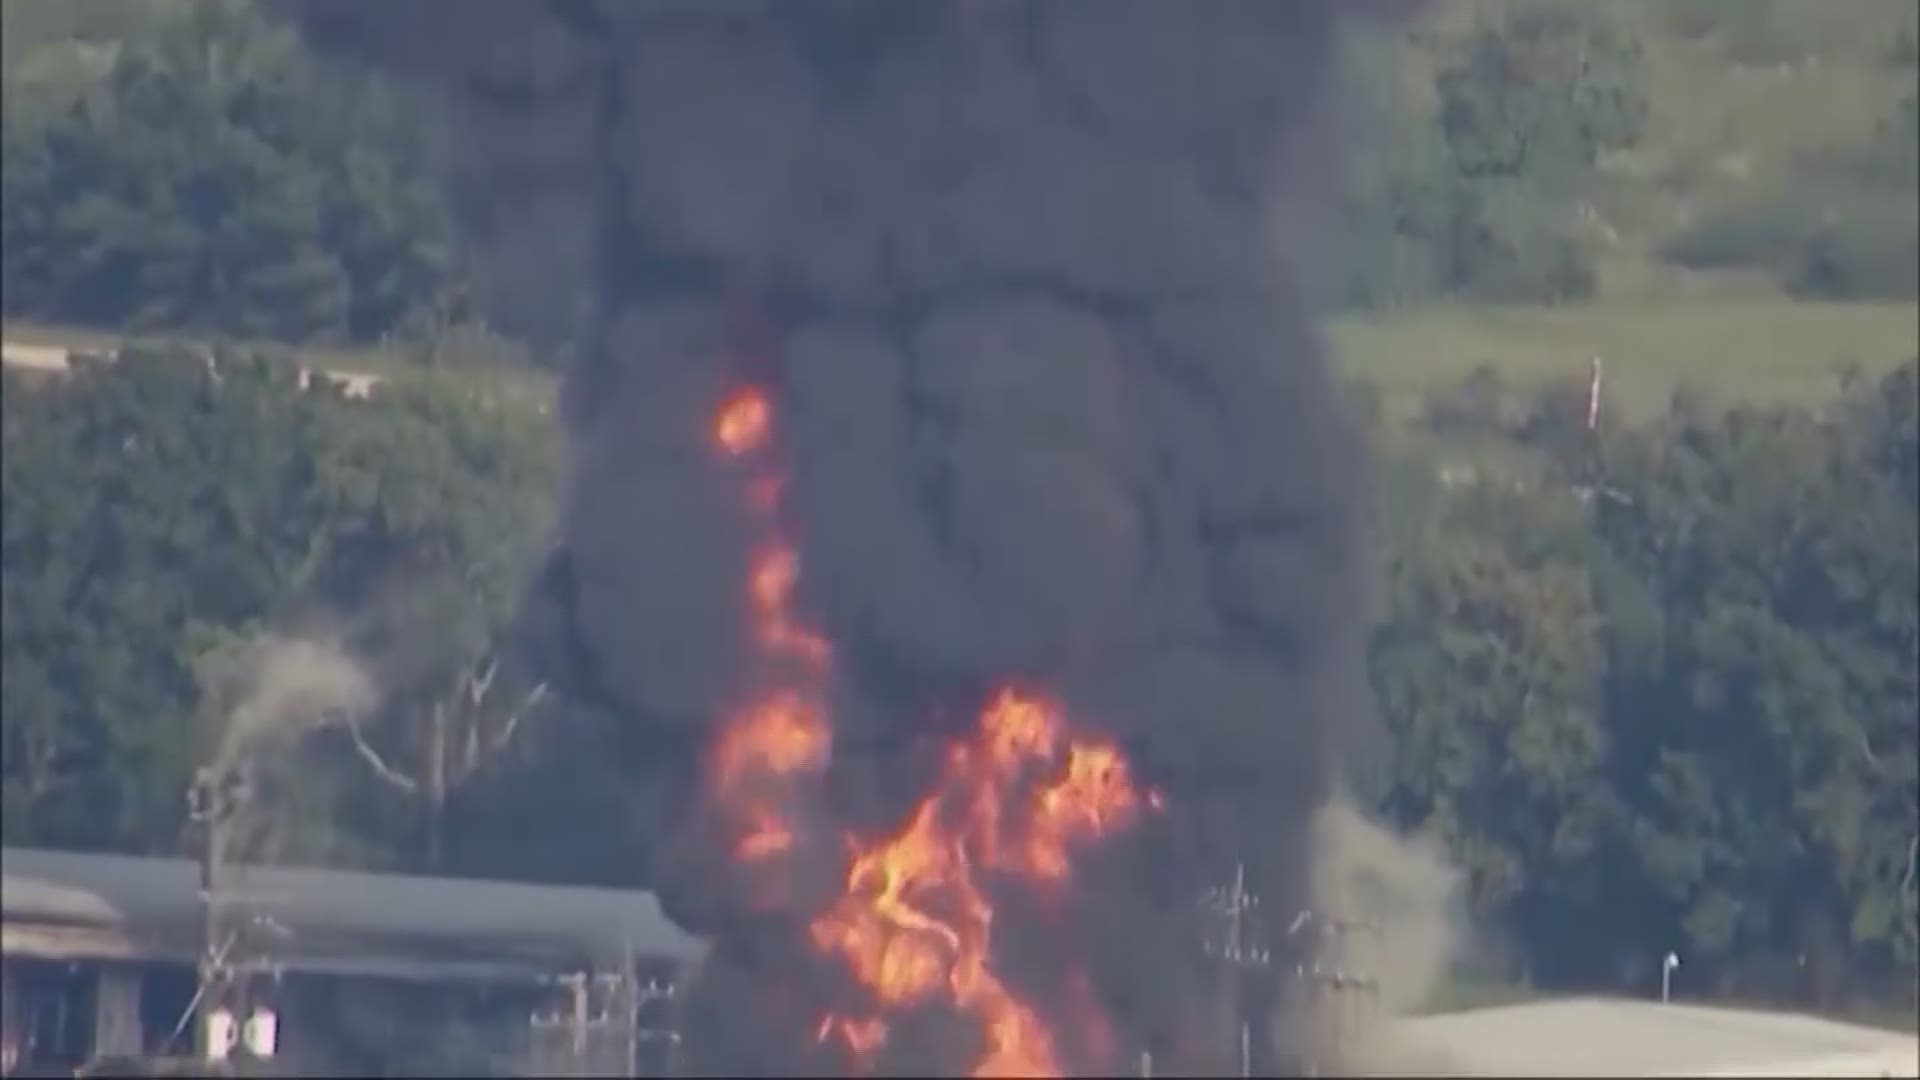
1671 962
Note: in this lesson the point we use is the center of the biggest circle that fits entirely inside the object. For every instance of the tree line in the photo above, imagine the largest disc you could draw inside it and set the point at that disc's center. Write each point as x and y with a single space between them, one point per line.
186 165
169 511
191 168
1654 686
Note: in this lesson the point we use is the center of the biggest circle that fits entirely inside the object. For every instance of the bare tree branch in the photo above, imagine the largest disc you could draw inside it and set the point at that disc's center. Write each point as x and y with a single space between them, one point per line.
1866 751
478 683
42 764
476 753
477 680
527 705
380 767
1913 857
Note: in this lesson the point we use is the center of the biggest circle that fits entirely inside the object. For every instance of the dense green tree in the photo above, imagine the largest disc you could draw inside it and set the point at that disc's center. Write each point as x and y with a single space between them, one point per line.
1657 687
1474 186
1540 93
142 498
169 503
453 485
1765 725
214 178
1487 666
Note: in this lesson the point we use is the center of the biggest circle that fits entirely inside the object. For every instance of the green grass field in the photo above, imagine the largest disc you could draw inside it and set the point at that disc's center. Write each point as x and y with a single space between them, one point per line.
1746 350
1461 994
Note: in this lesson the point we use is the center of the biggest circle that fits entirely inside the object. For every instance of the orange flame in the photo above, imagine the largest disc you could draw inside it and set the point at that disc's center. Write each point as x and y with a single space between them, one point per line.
780 736
766 744
774 574
769 743
912 922
745 422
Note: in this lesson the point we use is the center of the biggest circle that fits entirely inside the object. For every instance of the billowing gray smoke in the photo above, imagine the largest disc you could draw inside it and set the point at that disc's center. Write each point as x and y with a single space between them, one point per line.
1050 409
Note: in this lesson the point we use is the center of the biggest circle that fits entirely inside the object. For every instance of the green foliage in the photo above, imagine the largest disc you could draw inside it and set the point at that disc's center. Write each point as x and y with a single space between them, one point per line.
1787 562
1655 686
1526 106
1659 690
1540 151
1843 225
1510 245
142 498
214 179
1541 94
1477 194
165 502
1853 251
1486 669
1860 256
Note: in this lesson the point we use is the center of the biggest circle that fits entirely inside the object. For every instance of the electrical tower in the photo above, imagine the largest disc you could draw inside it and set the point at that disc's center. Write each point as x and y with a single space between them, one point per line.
210 804
231 931
1333 985
1237 944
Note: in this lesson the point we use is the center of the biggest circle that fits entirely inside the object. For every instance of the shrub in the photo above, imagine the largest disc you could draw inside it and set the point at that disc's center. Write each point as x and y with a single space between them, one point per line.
1867 253
1758 232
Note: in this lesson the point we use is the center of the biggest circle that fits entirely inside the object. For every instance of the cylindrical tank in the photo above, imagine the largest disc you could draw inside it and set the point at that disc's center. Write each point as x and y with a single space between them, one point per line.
262 1032
220 1034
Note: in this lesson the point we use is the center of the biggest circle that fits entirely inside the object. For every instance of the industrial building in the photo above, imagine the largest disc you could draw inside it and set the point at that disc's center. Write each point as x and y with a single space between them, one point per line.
1615 1038
107 957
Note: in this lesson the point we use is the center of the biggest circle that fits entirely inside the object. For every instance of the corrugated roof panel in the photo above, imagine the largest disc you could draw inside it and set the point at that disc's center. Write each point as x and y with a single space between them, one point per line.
331 908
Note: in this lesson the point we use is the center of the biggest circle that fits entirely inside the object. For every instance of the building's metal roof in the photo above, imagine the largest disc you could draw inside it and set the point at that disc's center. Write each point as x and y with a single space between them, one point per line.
327 916
1611 1037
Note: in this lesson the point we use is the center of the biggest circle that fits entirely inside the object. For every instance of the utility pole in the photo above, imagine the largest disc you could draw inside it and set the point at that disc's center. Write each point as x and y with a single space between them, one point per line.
657 1022
1323 966
203 809
1593 395
1243 957
211 802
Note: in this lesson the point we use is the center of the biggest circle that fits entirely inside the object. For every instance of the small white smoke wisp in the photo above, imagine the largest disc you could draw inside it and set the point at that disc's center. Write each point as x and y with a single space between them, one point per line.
1392 925
287 688
266 694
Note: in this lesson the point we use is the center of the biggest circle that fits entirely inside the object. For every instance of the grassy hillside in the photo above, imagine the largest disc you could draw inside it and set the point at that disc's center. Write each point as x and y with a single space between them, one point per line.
1747 349
1768 122
1763 116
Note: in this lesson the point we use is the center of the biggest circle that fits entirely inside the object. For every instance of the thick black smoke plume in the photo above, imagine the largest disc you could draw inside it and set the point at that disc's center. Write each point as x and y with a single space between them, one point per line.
1051 408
